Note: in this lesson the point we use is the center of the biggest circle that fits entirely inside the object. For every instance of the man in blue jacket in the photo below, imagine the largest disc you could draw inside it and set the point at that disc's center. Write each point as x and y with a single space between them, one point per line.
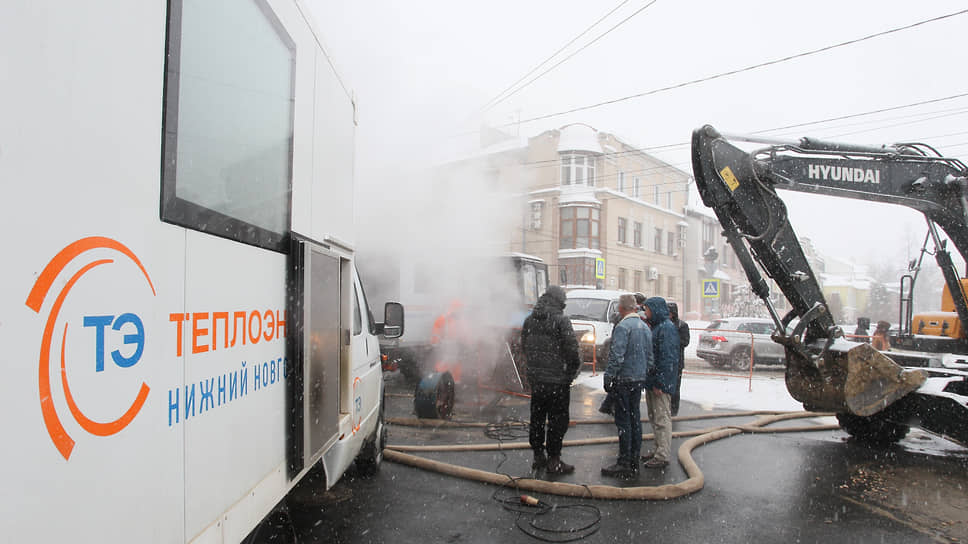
660 383
628 361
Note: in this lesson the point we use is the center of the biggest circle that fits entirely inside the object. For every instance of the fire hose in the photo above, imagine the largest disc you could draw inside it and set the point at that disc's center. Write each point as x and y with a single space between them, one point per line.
693 483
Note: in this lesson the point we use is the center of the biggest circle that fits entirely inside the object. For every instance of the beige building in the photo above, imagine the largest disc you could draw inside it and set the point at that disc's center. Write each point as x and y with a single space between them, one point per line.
589 196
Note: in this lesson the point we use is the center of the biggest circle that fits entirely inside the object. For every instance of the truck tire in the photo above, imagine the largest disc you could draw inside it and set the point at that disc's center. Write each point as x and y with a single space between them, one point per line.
371 454
876 429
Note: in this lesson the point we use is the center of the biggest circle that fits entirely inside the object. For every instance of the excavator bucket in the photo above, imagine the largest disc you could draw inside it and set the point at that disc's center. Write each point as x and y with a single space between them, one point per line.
874 381
852 378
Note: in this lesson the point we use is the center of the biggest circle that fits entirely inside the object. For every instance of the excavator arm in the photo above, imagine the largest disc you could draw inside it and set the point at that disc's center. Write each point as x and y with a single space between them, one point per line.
824 371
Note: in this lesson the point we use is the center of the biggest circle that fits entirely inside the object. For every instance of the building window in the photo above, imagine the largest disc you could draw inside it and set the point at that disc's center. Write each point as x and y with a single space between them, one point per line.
658 241
621 230
708 232
655 194
669 200
671 243
578 170
636 187
621 182
638 281
228 122
637 234
579 228
537 210
623 279
671 289
578 271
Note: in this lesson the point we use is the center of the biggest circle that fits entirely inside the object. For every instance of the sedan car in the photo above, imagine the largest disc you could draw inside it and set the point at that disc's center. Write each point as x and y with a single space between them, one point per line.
729 341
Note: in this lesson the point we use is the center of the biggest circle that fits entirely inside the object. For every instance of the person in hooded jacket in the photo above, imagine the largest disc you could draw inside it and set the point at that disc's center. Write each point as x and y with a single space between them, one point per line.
683 328
553 361
628 359
660 383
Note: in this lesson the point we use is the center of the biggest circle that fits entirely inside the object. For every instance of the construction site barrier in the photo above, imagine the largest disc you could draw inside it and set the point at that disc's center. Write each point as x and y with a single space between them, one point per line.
749 377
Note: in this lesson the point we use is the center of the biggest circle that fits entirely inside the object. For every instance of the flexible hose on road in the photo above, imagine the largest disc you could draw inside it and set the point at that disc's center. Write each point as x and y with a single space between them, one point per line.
435 423
692 484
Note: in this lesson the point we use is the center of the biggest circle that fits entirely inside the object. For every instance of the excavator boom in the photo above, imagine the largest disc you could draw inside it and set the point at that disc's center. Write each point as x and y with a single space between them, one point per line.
825 371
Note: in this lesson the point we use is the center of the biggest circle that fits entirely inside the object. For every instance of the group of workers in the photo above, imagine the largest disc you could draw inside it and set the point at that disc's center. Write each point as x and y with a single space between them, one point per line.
878 340
646 354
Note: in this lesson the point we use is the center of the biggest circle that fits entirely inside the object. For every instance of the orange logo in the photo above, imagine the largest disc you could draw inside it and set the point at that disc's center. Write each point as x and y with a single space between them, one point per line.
62 441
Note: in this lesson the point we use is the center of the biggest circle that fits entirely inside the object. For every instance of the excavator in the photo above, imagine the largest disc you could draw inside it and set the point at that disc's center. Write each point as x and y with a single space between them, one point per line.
922 380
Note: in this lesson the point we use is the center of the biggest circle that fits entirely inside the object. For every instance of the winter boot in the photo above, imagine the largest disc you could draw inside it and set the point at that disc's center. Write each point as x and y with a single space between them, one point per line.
655 462
607 406
557 466
540 460
619 470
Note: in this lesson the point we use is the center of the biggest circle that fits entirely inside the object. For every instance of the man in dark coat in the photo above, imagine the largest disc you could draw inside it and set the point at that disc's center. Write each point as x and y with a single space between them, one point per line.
860 333
683 329
660 382
551 350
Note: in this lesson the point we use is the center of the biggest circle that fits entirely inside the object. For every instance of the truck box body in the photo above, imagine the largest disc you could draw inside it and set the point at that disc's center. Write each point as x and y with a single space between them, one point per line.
146 313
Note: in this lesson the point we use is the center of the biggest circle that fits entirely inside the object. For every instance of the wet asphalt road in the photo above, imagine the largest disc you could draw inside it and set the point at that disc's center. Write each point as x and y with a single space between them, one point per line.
791 487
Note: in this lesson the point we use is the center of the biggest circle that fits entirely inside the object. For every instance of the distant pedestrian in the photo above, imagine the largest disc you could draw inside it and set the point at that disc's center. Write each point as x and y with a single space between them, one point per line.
879 339
628 361
553 362
683 328
661 380
860 333
640 305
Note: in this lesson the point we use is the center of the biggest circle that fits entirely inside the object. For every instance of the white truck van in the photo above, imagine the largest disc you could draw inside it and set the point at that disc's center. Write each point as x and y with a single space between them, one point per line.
497 291
183 328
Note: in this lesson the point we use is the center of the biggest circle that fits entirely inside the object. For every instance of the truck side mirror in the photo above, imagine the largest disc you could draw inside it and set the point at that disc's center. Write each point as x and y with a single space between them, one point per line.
392 326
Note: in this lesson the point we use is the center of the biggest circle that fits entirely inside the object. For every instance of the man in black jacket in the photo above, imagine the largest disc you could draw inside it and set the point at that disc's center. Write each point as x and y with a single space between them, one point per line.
553 360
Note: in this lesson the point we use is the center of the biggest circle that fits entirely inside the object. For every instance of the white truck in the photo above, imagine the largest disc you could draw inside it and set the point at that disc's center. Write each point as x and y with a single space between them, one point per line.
183 328
493 293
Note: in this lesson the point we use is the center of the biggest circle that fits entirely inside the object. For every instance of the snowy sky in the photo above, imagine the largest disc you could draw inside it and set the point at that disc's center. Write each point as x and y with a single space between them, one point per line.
423 70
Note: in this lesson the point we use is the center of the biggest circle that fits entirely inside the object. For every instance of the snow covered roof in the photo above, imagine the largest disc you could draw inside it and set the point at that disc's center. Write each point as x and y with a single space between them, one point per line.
578 137
830 280
577 194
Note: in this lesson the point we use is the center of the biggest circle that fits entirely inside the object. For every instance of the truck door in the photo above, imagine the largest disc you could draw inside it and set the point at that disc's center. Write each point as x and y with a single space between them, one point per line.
316 351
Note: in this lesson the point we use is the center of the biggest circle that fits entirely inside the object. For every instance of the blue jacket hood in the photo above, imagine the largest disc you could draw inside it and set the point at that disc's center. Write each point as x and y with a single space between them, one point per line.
659 308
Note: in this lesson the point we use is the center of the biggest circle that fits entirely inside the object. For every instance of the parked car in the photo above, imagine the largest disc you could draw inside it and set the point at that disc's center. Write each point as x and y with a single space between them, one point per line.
721 346
589 310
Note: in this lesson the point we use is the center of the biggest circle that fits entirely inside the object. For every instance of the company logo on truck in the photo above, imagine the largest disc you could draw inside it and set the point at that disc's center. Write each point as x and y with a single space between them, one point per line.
125 329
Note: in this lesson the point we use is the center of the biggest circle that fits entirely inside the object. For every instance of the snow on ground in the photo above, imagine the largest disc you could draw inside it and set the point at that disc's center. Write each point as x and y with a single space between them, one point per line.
733 394
717 393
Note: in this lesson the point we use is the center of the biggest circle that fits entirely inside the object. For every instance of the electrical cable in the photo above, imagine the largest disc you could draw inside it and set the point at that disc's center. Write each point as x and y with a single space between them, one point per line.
529 509
740 70
491 103
582 48
871 112
548 163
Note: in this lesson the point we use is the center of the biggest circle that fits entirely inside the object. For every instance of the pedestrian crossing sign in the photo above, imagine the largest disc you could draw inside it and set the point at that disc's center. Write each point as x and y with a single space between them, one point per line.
710 288
600 268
